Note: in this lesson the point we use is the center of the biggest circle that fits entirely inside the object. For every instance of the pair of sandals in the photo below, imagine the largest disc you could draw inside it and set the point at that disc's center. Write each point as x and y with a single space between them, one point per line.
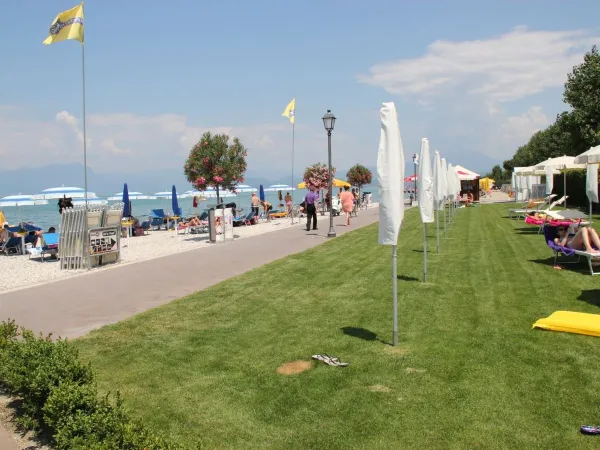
330 360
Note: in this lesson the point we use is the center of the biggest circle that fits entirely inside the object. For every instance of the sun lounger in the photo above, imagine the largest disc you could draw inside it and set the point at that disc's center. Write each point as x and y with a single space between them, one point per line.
157 217
534 206
244 220
278 214
550 234
47 245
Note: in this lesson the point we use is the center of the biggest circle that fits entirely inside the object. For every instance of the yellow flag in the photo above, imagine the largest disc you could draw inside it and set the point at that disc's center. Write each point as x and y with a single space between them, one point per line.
290 111
67 25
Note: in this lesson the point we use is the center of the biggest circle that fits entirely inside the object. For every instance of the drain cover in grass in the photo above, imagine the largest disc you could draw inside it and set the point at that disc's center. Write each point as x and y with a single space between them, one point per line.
294 367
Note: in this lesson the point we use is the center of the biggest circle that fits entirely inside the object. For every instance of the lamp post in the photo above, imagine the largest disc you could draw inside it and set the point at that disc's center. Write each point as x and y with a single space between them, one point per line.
329 123
415 162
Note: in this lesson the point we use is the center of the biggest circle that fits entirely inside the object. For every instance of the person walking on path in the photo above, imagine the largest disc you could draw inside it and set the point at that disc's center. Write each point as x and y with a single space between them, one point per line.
311 211
347 199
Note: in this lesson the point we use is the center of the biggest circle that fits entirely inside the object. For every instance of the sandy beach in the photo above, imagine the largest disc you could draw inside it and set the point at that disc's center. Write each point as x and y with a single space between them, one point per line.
21 272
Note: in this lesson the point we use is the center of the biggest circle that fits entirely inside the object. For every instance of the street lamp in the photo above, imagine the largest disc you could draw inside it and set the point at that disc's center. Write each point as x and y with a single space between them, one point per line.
329 123
415 162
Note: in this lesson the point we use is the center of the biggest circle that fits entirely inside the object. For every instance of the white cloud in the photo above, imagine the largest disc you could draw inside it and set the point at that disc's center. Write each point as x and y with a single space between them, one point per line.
125 142
508 67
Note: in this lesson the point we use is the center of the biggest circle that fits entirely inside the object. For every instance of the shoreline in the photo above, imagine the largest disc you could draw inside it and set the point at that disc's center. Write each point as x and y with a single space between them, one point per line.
28 273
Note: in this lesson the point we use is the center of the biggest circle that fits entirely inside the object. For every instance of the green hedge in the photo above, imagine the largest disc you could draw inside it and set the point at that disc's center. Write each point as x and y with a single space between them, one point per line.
60 397
576 189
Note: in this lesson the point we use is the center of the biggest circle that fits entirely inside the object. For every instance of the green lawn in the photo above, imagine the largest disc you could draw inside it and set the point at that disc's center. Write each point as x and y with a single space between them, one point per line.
469 371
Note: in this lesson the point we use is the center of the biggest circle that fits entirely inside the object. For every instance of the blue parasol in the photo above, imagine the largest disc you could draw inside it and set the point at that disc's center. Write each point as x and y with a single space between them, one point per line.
126 202
174 203
261 193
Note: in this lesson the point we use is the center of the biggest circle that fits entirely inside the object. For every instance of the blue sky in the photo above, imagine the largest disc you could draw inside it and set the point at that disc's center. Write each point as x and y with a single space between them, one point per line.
160 75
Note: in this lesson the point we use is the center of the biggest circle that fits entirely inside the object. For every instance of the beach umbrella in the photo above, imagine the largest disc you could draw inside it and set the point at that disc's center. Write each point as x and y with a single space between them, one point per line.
444 182
126 202
279 187
261 193
561 163
450 191
425 195
591 185
17 200
174 202
592 156
438 194
549 180
390 175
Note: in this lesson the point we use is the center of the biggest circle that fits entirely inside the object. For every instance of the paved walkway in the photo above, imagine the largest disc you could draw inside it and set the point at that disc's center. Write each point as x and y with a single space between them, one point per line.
6 441
75 306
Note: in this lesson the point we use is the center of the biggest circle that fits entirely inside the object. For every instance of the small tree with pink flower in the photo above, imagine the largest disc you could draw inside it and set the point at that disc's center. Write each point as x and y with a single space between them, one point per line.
317 178
216 161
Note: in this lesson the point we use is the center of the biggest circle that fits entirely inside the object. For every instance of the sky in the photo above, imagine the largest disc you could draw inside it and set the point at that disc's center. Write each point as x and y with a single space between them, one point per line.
476 77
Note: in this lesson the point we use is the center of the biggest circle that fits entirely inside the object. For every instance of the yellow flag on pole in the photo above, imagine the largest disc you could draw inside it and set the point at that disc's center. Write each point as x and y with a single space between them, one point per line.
290 111
67 25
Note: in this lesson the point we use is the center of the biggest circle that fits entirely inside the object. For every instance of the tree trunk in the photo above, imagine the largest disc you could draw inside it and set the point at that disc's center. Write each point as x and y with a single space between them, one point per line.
218 198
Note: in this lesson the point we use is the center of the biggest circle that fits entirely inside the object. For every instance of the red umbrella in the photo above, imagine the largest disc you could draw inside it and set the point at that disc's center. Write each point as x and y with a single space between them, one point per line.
410 179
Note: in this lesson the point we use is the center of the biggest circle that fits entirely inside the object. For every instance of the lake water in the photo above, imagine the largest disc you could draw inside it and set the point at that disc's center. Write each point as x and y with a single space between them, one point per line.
47 215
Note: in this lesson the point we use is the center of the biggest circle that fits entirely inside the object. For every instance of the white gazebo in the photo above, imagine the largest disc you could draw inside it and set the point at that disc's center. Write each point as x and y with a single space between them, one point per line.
465 174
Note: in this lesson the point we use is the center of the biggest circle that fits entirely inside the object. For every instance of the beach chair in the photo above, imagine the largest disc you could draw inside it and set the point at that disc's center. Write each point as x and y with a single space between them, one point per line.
550 233
278 214
533 207
11 246
244 220
157 217
47 245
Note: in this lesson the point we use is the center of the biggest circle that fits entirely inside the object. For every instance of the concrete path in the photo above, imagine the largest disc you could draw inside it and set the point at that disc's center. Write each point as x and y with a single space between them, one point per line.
72 307
6 440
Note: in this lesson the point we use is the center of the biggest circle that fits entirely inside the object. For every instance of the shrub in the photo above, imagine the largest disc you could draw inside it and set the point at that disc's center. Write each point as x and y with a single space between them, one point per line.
59 395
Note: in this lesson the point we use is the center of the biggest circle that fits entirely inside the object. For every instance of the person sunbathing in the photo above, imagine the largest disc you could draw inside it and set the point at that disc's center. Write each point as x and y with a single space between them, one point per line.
582 240
193 222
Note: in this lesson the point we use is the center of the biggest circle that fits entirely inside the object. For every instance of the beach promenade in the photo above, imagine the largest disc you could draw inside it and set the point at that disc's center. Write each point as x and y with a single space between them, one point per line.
73 307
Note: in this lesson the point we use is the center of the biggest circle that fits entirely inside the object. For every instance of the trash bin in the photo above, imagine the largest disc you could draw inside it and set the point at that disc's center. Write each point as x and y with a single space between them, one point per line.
216 229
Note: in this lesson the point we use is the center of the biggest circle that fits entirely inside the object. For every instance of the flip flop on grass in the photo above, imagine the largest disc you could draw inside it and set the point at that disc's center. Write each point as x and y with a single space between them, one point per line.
590 429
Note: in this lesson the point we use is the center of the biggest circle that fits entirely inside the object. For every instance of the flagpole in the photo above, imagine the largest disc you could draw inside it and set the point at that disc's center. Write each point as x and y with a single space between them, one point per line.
293 141
85 180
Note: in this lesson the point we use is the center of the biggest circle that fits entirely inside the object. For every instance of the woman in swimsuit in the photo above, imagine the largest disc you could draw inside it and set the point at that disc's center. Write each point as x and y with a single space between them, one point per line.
583 239
288 203
267 208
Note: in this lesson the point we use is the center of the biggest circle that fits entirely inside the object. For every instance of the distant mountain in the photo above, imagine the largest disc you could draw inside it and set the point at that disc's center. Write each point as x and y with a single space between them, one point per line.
35 180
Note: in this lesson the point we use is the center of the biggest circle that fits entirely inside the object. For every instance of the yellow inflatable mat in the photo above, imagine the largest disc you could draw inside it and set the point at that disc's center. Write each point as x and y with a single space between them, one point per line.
571 322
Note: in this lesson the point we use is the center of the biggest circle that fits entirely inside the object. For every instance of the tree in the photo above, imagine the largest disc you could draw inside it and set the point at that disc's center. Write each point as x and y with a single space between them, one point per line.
317 176
496 173
359 175
216 162
582 92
